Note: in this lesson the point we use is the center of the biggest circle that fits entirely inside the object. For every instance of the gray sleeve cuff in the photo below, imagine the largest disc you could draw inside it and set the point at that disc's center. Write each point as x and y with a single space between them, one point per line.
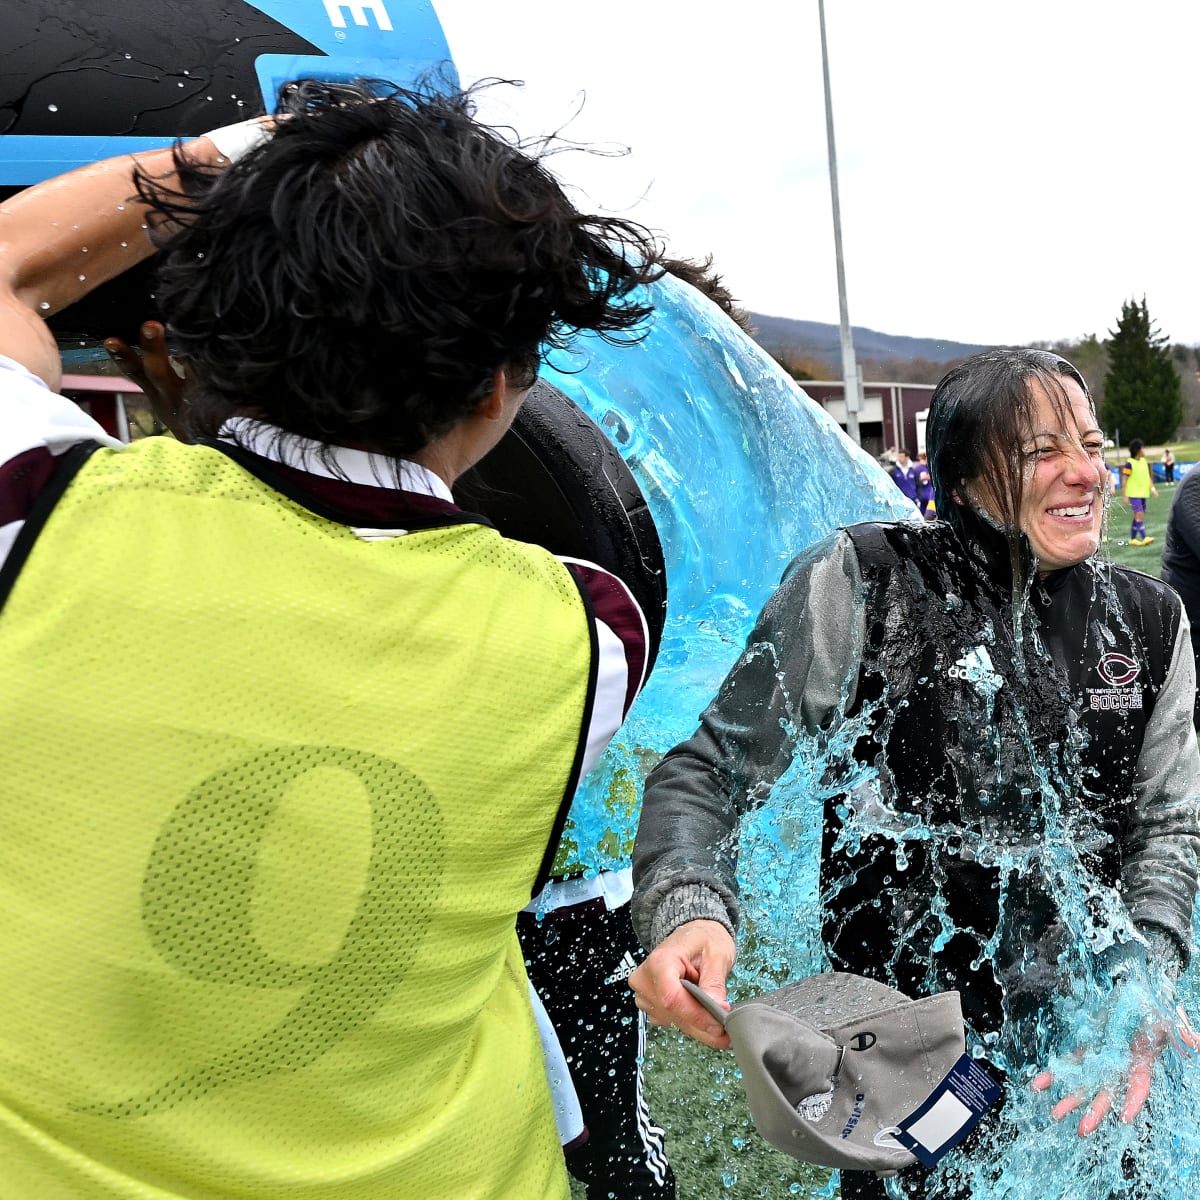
689 902
1164 951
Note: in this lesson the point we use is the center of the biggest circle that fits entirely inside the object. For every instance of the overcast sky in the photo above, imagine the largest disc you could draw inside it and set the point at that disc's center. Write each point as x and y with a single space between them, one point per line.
1008 172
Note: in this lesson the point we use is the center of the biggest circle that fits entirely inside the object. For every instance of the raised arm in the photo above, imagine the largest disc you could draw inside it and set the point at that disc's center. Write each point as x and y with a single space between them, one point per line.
62 238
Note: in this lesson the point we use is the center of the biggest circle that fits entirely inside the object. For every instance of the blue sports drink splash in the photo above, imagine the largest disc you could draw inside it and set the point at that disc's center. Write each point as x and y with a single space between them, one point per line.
741 472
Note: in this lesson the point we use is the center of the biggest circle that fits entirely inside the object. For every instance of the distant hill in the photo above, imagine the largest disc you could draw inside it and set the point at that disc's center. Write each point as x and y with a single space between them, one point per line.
775 334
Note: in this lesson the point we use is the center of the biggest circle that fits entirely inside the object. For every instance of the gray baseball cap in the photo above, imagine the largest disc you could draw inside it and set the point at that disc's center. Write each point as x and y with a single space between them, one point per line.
832 1065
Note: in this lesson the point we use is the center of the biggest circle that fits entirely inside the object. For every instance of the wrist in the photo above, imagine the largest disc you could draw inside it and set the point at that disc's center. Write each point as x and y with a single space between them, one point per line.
233 142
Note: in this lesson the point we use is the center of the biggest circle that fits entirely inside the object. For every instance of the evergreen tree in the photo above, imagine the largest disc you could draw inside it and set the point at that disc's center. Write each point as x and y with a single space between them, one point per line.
1142 396
1090 355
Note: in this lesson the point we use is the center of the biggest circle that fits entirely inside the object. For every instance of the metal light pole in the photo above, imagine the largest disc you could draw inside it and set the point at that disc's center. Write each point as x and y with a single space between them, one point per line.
852 380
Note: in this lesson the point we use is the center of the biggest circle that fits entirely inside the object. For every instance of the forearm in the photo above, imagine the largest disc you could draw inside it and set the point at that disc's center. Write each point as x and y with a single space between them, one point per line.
685 858
62 238
794 679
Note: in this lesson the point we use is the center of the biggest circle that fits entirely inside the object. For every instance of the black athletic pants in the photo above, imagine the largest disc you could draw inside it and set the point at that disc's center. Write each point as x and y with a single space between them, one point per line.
579 959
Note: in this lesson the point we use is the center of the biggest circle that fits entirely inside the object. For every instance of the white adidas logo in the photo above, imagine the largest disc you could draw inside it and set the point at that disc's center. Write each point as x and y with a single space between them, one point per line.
972 664
976 667
625 968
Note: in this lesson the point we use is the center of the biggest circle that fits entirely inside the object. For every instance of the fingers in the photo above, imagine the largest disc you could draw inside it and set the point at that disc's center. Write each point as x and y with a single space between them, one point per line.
151 367
1184 1030
1093 1115
1067 1105
153 370
1097 1111
701 951
658 994
665 1003
645 1003
1144 1053
1137 1092
127 359
155 361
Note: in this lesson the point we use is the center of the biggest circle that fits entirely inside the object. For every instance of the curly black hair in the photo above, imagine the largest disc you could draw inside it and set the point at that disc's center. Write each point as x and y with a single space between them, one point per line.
360 276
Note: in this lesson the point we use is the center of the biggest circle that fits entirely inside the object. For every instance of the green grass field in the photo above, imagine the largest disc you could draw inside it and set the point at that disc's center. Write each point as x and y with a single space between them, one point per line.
695 1095
694 1092
1117 547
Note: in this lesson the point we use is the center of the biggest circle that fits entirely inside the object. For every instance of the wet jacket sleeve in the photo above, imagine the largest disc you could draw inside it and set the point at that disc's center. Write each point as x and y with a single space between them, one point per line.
795 678
1184 520
1160 859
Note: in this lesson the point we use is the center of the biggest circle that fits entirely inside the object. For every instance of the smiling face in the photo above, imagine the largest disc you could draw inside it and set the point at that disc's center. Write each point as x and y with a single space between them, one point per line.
1012 436
1062 501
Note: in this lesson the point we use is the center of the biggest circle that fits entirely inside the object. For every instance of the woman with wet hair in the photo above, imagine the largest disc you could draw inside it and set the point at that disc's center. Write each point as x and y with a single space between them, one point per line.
1019 778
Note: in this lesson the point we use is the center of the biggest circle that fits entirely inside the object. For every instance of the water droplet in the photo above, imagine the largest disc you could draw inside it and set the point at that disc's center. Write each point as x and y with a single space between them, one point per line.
52 107
82 278
44 306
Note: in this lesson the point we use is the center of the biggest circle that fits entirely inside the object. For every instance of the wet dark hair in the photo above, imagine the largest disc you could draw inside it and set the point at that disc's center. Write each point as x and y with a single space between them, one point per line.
360 276
980 421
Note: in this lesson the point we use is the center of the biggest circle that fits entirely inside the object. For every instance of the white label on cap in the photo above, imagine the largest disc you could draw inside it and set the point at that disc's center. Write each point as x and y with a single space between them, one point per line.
951 1111
940 1123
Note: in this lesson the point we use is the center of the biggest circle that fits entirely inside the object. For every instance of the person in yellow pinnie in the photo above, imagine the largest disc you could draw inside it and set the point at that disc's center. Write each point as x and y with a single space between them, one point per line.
1138 488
